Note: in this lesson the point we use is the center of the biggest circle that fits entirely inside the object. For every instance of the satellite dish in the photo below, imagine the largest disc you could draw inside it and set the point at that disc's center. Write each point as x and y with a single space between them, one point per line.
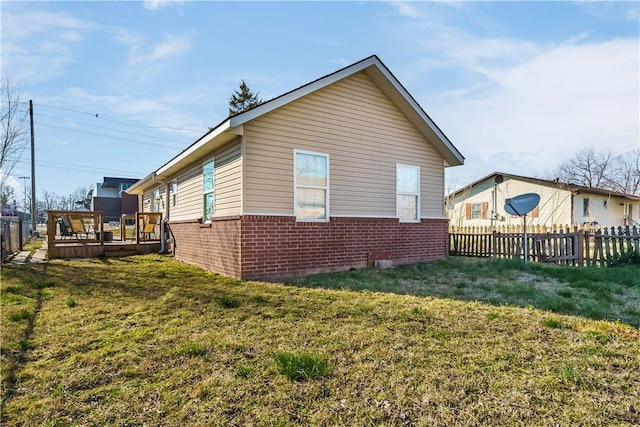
499 179
522 204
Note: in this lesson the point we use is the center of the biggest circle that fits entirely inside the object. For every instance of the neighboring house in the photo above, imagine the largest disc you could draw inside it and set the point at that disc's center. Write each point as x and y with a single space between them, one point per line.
560 203
110 197
336 174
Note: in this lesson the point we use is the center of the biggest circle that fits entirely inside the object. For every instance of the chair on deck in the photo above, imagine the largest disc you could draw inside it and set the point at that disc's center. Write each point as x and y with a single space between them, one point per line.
149 225
76 226
65 230
148 230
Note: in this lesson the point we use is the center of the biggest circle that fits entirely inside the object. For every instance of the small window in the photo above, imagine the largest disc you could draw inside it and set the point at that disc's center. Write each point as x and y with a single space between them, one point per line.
476 210
208 190
311 185
408 192
156 200
174 193
586 208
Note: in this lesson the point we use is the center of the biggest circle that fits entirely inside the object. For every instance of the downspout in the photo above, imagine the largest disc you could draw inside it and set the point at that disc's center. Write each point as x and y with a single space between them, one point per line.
163 238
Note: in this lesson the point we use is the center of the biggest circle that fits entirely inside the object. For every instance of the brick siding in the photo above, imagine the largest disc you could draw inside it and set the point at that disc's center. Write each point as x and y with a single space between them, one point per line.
278 246
214 246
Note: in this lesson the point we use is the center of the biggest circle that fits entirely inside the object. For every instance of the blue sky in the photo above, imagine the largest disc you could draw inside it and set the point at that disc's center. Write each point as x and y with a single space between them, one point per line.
518 87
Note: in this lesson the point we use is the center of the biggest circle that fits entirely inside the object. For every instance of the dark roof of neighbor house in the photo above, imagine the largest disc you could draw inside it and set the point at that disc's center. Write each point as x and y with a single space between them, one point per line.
574 188
109 181
229 128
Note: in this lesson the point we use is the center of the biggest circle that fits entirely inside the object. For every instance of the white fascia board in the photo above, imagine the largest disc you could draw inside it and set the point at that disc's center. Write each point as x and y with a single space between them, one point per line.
140 186
223 127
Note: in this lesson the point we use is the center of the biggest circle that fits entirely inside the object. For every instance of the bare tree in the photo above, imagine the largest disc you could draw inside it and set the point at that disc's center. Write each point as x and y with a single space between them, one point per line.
628 179
48 201
14 136
81 197
7 196
603 169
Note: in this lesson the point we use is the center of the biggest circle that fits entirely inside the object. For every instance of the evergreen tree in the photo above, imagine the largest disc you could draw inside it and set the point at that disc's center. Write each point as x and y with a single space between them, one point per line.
243 99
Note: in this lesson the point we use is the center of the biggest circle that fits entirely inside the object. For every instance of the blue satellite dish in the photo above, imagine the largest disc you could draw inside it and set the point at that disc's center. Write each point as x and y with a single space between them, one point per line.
522 204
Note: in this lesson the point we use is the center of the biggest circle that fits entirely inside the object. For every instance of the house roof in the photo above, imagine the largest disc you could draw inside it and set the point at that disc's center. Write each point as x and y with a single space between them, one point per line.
574 188
109 181
231 127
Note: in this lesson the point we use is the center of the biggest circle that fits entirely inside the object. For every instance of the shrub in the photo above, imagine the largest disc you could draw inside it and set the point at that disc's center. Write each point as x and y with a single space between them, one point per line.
629 257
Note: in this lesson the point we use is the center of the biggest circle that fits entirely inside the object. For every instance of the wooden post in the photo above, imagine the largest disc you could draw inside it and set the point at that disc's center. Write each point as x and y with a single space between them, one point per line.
580 242
20 242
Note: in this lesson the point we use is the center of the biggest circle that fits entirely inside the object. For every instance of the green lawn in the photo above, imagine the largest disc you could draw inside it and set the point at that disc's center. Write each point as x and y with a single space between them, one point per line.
149 341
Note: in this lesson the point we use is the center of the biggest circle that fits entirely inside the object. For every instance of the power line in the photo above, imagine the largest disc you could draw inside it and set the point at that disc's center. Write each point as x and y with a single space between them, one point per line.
99 158
135 141
96 115
111 129
74 168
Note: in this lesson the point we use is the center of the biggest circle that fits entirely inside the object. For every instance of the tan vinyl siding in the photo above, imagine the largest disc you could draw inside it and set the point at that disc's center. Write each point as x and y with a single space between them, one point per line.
189 204
363 133
228 179
149 196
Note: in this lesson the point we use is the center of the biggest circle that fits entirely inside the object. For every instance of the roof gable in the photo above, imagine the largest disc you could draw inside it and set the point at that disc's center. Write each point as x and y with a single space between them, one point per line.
547 183
231 127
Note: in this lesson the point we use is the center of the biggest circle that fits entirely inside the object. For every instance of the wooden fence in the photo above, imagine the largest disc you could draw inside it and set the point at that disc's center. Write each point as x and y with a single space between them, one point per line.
559 244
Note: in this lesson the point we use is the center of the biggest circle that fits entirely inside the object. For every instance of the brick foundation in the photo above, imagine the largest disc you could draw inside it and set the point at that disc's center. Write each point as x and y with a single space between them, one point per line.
214 246
278 246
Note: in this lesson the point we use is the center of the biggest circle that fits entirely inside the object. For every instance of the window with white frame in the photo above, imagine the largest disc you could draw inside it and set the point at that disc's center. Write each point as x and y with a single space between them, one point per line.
408 192
311 185
156 200
476 210
208 189
174 193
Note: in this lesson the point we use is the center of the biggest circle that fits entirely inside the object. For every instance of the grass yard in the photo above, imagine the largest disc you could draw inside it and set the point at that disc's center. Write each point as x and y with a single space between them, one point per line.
147 340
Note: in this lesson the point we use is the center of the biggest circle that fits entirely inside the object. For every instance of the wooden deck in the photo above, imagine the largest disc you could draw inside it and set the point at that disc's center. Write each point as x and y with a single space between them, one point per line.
73 234
96 249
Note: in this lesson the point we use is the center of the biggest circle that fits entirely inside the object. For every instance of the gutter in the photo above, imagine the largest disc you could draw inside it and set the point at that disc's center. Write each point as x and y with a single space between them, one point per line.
163 237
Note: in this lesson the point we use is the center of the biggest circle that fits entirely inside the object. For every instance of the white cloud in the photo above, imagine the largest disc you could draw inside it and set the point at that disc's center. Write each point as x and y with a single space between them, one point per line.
405 8
160 4
38 46
173 45
539 113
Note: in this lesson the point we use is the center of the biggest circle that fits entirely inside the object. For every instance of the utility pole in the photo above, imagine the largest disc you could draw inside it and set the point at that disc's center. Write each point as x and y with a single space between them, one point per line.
34 212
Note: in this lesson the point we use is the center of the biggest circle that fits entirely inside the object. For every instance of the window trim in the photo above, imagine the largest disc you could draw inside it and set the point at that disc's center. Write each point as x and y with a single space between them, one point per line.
174 192
479 211
417 194
155 200
212 191
295 186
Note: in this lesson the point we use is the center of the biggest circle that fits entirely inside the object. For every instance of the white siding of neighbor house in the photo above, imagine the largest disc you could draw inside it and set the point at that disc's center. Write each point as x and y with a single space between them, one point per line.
365 136
554 207
610 215
228 179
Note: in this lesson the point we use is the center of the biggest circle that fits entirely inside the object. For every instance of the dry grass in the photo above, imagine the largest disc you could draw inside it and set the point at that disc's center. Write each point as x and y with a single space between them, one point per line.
149 341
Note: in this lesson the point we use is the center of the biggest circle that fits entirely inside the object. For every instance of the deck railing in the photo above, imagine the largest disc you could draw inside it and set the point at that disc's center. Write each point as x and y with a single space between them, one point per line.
65 227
